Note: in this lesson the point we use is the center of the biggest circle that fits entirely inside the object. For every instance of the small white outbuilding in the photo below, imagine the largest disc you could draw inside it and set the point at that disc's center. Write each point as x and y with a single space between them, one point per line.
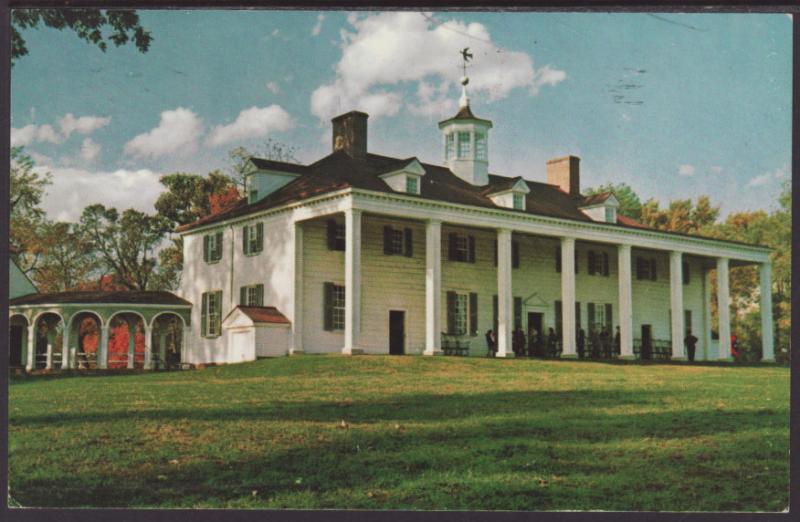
256 331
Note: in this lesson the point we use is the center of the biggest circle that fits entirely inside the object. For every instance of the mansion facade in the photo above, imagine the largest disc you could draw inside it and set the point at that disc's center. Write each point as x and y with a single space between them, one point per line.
363 253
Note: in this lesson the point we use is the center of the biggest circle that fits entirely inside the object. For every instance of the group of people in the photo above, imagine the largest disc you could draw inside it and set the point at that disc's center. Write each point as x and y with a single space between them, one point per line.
601 345
534 345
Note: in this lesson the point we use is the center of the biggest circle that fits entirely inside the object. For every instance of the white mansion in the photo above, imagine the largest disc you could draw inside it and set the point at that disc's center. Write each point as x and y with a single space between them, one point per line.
363 253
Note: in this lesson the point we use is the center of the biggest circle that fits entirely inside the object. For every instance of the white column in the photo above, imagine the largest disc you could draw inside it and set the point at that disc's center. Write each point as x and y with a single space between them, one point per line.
352 279
102 350
433 287
723 309
505 296
185 346
65 351
706 315
29 364
131 343
49 359
162 347
676 304
148 347
625 302
568 297
297 317
768 349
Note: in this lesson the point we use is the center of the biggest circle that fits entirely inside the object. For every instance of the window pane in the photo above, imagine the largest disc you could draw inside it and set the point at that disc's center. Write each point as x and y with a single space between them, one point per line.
411 184
480 146
338 308
461 314
464 146
449 149
518 201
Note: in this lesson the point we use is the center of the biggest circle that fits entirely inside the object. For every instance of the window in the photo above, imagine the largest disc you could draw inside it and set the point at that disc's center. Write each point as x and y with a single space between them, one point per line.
211 314
598 263
610 215
252 295
646 268
558 260
514 254
334 307
457 313
600 316
412 184
559 320
519 201
335 235
449 146
253 195
686 276
687 321
461 248
253 238
480 146
212 247
464 145
398 242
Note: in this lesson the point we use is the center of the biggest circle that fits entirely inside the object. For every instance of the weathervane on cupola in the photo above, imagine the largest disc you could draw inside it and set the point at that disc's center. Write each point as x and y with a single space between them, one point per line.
466 137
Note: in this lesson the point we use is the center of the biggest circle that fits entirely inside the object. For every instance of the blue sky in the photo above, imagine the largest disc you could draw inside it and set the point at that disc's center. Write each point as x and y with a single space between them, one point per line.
674 105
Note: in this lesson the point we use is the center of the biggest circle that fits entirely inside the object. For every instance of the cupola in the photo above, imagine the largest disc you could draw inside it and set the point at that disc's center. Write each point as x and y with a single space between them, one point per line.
466 142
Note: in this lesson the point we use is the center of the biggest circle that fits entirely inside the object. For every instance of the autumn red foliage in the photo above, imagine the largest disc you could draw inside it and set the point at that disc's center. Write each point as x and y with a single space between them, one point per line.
223 200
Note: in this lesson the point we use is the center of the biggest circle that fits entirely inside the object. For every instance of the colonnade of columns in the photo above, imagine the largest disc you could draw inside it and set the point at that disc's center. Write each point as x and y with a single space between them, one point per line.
433 301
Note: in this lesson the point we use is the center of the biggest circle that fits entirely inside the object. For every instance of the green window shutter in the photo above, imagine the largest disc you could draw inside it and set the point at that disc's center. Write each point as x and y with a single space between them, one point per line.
259 237
609 319
559 318
206 239
471 249
328 306
577 316
473 313
558 258
387 240
687 320
605 264
653 269
260 295
204 314
515 254
331 234
517 312
243 295
451 247
218 255
218 320
495 313
590 311
591 262
451 313
409 239
245 242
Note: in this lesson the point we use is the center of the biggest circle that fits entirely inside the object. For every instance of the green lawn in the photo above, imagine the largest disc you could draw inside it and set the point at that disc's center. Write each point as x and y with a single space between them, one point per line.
421 433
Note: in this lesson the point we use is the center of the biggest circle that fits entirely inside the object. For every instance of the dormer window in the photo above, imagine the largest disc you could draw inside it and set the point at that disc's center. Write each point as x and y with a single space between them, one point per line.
412 185
510 193
480 147
601 207
449 145
611 215
464 145
519 201
406 178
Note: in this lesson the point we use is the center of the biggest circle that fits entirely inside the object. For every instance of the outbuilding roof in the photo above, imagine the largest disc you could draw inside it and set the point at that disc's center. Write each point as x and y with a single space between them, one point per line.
263 314
133 297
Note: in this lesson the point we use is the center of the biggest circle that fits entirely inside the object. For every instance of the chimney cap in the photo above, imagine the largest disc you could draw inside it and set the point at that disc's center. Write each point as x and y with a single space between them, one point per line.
562 158
349 114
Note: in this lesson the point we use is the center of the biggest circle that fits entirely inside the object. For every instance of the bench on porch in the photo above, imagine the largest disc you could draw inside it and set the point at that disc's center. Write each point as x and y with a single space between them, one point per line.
454 345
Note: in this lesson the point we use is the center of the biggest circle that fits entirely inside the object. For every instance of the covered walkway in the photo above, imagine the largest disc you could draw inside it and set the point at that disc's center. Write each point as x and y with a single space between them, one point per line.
99 330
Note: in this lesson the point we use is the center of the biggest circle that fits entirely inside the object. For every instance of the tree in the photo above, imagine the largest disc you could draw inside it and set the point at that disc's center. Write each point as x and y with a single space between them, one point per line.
125 243
270 149
629 203
27 187
87 24
66 258
680 215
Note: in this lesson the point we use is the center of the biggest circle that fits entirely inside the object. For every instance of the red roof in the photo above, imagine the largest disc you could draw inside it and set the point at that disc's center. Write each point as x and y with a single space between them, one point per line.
264 314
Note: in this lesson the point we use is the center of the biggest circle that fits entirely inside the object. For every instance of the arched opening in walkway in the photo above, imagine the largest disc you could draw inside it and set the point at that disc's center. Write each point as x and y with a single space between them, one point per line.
126 341
48 340
18 340
167 341
85 334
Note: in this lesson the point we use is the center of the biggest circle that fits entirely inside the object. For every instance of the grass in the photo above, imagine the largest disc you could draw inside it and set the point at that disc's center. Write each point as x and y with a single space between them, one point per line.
421 433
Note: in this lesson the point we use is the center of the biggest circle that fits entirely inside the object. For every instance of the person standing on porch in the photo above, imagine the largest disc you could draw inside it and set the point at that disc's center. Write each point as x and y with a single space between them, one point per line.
581 342
490 344
691 342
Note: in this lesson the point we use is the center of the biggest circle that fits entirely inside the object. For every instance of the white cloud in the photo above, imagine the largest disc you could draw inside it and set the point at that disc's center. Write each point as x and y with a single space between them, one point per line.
177 133
686 170
73 189
318 26
757 181
254 122
90 150
389 49
764 179
716 169
273 87
83 125
30 134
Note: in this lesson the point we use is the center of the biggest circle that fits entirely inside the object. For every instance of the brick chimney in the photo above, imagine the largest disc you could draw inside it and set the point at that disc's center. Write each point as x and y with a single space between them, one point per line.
566 173
350 133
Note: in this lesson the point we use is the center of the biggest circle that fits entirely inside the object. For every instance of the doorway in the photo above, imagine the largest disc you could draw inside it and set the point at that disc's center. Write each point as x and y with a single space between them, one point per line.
535 342
647 342
397 332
